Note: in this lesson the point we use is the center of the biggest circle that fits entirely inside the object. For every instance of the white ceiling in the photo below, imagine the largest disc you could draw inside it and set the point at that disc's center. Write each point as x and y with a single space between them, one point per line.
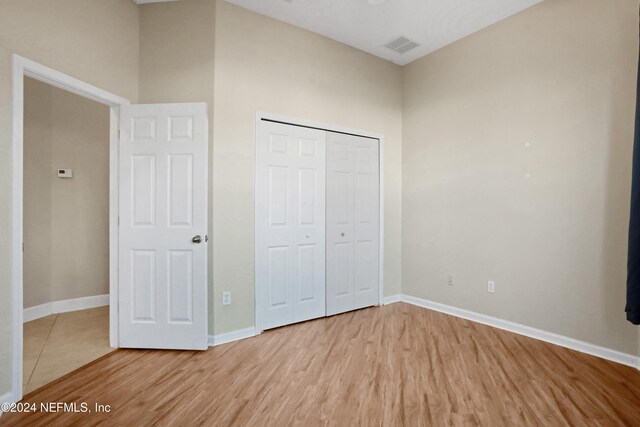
369 25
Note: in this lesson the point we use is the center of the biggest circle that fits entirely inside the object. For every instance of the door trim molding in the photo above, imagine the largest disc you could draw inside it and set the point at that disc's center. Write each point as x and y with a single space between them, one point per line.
22 67
6 398
260 116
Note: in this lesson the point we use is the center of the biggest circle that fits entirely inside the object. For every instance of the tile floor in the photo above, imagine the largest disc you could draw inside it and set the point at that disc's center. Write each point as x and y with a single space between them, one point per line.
58 344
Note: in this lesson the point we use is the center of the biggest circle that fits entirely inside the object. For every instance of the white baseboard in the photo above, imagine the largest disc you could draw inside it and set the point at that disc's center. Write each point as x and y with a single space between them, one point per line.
64 306
6 398
571 343
391 299
231 336
33 313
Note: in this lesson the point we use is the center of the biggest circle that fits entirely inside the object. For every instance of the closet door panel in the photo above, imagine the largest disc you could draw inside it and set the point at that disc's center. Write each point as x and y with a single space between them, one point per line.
308 232
367 222
290 224
340 224
352 222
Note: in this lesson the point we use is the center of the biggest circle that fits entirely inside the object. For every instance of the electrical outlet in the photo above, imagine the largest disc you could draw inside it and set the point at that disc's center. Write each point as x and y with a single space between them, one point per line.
450 279
226 298
491 286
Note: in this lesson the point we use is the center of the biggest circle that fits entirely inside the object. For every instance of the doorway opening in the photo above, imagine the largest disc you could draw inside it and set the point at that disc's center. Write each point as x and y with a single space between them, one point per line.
66 233
22 69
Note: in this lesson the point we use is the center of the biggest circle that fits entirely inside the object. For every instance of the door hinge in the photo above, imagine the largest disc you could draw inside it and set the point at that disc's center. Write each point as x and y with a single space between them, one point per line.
22 247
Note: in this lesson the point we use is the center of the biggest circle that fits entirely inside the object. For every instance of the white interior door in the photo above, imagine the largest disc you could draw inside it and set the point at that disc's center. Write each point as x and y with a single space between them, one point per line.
353 222
163 226
290 224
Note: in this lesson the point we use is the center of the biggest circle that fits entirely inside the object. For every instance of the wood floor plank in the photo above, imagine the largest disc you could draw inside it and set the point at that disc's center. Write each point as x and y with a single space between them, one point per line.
382 366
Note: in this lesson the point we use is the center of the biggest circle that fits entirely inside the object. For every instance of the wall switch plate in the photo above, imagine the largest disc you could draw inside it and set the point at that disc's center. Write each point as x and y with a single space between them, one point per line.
226 298
65 173
491 286
450 279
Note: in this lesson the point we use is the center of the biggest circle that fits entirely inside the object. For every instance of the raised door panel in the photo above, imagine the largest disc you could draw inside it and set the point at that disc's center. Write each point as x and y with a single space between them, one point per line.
307 203
365 257
180 197
342 269
278 193
143 286
180 286
307 277
278 289
143 190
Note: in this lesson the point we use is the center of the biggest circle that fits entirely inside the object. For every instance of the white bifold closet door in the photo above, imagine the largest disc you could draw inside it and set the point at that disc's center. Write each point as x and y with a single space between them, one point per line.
353 222
290 224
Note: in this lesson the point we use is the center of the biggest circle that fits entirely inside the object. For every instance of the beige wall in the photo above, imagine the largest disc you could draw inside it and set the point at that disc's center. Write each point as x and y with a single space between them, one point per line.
266 65
66 221
177 51
93 40
547 221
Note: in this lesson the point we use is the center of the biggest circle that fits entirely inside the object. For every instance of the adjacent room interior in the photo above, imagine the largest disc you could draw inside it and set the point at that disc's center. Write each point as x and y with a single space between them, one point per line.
348 212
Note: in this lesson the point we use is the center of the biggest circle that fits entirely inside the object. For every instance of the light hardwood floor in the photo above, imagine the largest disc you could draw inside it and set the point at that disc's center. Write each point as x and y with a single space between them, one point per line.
58 344
392 365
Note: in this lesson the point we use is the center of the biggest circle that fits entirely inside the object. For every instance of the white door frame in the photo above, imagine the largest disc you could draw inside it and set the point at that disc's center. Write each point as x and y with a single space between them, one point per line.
260 115
24 67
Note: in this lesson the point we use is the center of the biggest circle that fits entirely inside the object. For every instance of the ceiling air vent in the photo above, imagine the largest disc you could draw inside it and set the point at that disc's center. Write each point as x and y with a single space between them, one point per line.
401 44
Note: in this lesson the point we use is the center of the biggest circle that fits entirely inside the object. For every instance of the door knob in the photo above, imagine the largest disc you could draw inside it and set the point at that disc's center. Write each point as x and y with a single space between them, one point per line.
342 234
197 239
